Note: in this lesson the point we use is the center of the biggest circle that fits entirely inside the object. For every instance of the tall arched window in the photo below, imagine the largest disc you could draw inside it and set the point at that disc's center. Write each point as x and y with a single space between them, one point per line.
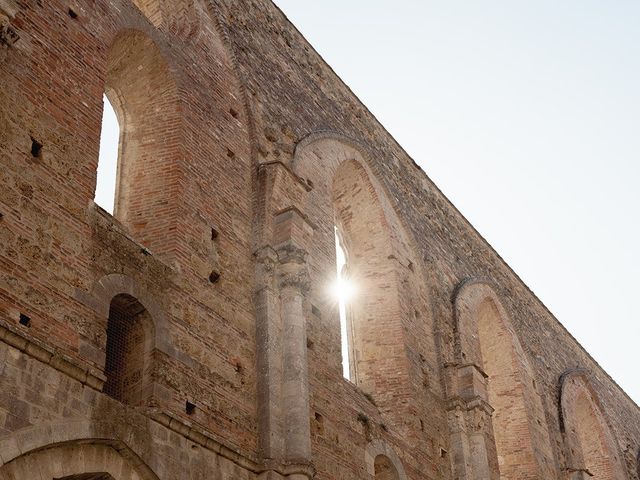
488 342
140 91
505 389
372 314
591 445
128 365
353 217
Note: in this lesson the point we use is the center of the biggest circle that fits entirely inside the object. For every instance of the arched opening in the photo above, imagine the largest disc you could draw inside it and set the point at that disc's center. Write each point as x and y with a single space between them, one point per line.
372 314
590 435
145 183
87 459
513 442
384 469
129 352
505 389
591 445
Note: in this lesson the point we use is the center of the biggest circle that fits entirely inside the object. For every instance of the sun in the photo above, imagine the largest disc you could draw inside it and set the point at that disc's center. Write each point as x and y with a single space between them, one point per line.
343 290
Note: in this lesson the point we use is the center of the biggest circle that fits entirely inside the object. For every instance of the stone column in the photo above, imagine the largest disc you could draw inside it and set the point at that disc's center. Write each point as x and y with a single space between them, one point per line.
294 284
269 356
283 378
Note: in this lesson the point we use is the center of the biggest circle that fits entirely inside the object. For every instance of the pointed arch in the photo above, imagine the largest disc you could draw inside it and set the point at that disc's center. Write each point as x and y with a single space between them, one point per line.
364 234
346 196
590 443
486 339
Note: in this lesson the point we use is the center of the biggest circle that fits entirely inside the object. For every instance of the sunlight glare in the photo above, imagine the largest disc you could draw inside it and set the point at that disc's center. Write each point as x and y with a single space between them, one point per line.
342 290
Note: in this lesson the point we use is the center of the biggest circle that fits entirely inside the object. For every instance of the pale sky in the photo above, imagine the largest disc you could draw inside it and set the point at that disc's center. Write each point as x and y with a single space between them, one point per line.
525 114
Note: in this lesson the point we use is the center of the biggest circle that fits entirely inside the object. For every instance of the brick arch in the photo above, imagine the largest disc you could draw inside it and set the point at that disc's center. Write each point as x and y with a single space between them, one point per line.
486 339
374 312
114 284
347 194
71 447
382 462
590 444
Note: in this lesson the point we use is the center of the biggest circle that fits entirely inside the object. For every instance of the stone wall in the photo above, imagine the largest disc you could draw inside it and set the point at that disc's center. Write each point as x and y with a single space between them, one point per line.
240 153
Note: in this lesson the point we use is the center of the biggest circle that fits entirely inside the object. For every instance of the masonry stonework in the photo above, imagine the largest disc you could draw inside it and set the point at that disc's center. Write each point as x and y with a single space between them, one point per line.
190 335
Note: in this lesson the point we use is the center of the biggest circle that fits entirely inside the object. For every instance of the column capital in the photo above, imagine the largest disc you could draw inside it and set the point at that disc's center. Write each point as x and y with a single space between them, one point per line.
293 269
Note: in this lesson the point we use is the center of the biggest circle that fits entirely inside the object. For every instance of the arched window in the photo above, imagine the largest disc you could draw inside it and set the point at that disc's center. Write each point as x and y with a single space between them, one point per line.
372 313
384 469
592 447
487 341
145 184
506 395
353 217
128 366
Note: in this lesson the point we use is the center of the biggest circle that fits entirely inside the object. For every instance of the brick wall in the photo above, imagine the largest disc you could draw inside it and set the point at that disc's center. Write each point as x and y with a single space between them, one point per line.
206 92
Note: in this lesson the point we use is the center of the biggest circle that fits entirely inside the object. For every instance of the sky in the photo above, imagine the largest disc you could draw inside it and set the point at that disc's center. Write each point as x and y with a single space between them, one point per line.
526 116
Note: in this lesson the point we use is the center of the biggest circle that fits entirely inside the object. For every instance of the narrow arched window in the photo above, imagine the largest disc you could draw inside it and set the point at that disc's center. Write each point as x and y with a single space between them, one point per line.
499 372
372 312
108 159
591 444
129 352
137 176
506 392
